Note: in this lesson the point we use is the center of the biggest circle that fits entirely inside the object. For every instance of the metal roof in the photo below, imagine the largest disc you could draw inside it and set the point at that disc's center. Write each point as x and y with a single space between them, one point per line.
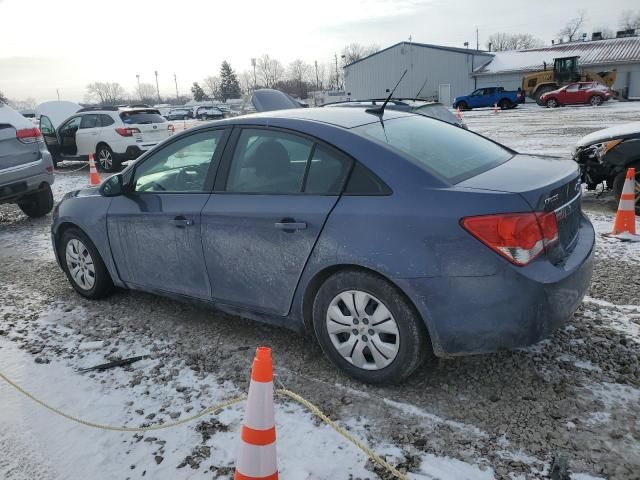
598 52
466 51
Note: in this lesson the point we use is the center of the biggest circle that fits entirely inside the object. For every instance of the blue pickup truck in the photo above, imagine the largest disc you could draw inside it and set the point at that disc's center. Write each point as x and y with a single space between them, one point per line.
488 97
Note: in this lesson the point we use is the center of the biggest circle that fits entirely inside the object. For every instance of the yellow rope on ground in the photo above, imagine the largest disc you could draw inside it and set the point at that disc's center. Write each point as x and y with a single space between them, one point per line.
212 410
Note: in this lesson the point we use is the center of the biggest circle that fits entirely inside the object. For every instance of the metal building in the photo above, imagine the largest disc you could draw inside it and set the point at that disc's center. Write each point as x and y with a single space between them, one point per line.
446 70
506 69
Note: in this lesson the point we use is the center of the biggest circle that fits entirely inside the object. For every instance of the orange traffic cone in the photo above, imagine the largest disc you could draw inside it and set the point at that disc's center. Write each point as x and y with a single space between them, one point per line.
625 221
94 178
495 108
257 456
459 114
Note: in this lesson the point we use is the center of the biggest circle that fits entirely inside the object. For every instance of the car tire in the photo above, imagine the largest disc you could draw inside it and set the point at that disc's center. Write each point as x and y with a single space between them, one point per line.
397 355
618 184
504 104
552 103
538 95
463 106
105 159
595 100
91 280
37 204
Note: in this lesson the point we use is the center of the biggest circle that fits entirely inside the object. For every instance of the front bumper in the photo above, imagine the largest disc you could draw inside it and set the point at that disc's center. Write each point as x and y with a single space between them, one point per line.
517 307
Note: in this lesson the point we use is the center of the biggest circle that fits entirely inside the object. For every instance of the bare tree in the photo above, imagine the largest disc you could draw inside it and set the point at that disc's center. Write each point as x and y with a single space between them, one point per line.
270 71
570 30
512 41
3 99
147 93
630 20
28 103
299 71
211 85
354 52
105 93
246 81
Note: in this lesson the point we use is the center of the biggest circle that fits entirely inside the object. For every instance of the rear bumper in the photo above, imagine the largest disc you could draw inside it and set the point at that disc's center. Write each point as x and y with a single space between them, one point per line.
23 180
515 308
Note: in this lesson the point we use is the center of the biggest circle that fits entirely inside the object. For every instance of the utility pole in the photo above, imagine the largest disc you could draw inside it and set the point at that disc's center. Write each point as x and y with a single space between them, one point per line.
253 64
175 79
477 40
58 93
337 75
157 87
138 77
317 79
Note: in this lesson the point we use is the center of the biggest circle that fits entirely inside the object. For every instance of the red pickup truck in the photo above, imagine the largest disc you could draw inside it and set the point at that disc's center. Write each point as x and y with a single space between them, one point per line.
577 93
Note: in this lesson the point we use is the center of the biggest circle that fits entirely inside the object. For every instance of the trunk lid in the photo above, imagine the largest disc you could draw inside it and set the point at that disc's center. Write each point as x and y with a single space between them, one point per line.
547 184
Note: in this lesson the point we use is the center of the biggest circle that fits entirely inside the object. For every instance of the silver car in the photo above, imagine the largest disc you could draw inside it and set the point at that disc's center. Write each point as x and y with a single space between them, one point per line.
26 167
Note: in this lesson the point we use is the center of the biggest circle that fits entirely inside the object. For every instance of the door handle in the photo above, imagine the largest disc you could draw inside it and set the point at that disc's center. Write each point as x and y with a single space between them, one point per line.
289 225
182 222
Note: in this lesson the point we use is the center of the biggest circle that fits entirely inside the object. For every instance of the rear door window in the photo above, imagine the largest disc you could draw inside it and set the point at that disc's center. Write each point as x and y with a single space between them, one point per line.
327 172
142 117
89 121
106 120
446 150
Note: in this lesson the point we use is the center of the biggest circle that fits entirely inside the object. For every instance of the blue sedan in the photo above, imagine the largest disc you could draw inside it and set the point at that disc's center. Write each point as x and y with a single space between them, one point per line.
389 235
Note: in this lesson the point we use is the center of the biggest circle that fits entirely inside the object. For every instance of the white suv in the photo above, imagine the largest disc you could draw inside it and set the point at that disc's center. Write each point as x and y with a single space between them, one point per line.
112 134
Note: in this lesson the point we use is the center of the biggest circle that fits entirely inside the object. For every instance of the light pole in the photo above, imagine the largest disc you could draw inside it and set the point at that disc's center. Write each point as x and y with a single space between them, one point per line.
344 63
175 79
138 77
157 87
253 64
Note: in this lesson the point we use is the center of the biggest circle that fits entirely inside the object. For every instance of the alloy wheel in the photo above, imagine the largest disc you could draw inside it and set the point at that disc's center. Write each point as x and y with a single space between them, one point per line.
80 264
596 100
362 330
105 159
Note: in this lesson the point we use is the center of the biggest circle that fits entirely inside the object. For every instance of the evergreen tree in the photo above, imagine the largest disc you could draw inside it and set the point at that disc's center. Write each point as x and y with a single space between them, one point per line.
229 86
198 92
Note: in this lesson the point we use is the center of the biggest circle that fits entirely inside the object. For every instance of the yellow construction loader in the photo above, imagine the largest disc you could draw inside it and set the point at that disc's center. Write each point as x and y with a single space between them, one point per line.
565 70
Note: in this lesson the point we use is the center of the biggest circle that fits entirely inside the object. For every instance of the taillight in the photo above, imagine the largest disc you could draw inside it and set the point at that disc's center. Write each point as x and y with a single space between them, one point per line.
29 135
519 237
127 132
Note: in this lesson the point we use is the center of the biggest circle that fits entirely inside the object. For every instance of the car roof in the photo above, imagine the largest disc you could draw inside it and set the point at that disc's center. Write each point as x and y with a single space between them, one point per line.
341 117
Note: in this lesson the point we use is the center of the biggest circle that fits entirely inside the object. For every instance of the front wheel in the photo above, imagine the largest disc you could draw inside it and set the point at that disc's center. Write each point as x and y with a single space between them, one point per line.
552 103
37 204
367 328
83 265
106 159
463 106
505 104
618 184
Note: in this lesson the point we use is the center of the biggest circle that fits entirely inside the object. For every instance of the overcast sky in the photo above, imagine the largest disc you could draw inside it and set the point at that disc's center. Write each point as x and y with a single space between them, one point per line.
65 44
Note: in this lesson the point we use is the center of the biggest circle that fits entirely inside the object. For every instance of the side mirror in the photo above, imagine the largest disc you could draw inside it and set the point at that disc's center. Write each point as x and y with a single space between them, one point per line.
112 186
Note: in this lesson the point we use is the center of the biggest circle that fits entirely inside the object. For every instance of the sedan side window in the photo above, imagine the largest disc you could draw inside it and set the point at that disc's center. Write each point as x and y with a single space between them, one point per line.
181 166
269 162
327 172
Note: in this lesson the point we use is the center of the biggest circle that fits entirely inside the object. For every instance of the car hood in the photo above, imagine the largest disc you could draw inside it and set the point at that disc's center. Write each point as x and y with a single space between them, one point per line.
627 130
57 111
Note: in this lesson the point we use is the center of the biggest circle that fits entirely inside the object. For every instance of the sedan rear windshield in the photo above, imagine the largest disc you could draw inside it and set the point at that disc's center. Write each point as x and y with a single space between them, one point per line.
141 117
437 111
449 151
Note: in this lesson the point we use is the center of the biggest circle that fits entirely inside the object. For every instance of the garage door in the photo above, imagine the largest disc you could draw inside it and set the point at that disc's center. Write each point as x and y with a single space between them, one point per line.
634 85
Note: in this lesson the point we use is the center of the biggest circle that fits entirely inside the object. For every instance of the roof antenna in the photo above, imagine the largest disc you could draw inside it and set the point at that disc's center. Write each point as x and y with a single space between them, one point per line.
421 88
380 109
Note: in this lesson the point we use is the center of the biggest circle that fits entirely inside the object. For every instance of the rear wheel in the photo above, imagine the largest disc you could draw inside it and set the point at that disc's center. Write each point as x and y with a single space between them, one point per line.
106 159
595 100
367 328
618 183
83 265
37 204
463 106
552 103
504 104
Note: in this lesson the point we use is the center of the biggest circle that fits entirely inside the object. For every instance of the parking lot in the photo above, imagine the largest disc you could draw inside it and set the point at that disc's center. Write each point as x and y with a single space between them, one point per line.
574 396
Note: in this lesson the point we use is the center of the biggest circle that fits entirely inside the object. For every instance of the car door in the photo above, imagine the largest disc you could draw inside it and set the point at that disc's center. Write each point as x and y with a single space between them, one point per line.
572 94
474 98
87 134
49 135
67 136
154 229
273 194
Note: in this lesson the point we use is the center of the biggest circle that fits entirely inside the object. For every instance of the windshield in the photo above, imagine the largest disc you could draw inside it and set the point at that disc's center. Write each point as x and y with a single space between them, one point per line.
448 151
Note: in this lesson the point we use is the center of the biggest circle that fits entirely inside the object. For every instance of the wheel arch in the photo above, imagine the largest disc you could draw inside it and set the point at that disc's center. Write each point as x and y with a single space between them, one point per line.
312 287
100 143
